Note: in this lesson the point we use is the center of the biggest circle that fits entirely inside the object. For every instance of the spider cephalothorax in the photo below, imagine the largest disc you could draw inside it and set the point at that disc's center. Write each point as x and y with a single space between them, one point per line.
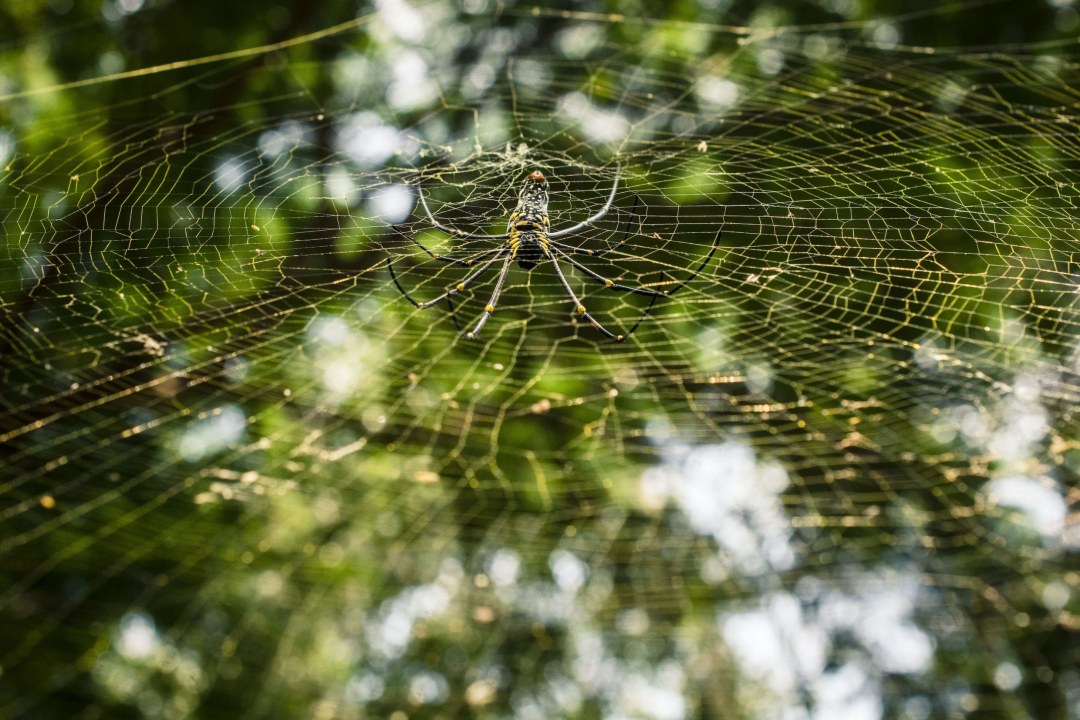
529 240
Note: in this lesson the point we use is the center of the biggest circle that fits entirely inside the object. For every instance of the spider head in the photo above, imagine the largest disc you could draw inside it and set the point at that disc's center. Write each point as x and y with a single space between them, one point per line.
534 195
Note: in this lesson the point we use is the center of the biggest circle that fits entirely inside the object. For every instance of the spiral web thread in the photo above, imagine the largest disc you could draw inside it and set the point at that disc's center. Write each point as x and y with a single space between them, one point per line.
240 464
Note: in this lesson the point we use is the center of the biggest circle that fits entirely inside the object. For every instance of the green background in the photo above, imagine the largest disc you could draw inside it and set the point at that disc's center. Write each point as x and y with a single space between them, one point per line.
243 477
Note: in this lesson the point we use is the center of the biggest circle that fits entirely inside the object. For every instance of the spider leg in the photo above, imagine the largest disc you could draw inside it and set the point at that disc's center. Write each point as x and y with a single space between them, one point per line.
597 253
712 251
643 314
453 232
623 288
490 307
605 281
452 291
580 309
453 315
626 232
602 212
393 276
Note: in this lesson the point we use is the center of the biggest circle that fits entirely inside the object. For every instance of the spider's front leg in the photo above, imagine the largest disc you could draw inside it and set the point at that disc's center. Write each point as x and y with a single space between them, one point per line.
577 250
590 220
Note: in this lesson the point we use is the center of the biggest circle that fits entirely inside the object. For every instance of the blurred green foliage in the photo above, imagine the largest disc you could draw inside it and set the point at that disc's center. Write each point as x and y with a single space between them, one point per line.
243 477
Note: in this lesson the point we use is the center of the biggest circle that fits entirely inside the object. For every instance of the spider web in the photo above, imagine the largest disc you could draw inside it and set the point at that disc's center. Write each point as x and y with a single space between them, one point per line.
835 476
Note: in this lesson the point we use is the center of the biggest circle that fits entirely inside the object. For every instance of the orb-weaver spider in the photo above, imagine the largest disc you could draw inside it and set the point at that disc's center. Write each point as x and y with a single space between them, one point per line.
528 240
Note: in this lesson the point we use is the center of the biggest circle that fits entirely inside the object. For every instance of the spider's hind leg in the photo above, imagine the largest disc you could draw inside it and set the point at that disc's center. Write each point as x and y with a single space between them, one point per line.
697 271
644 314
453 290
397 283
453 314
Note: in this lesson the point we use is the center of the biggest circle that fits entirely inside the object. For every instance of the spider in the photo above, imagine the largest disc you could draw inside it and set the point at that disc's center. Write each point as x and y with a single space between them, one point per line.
529 241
